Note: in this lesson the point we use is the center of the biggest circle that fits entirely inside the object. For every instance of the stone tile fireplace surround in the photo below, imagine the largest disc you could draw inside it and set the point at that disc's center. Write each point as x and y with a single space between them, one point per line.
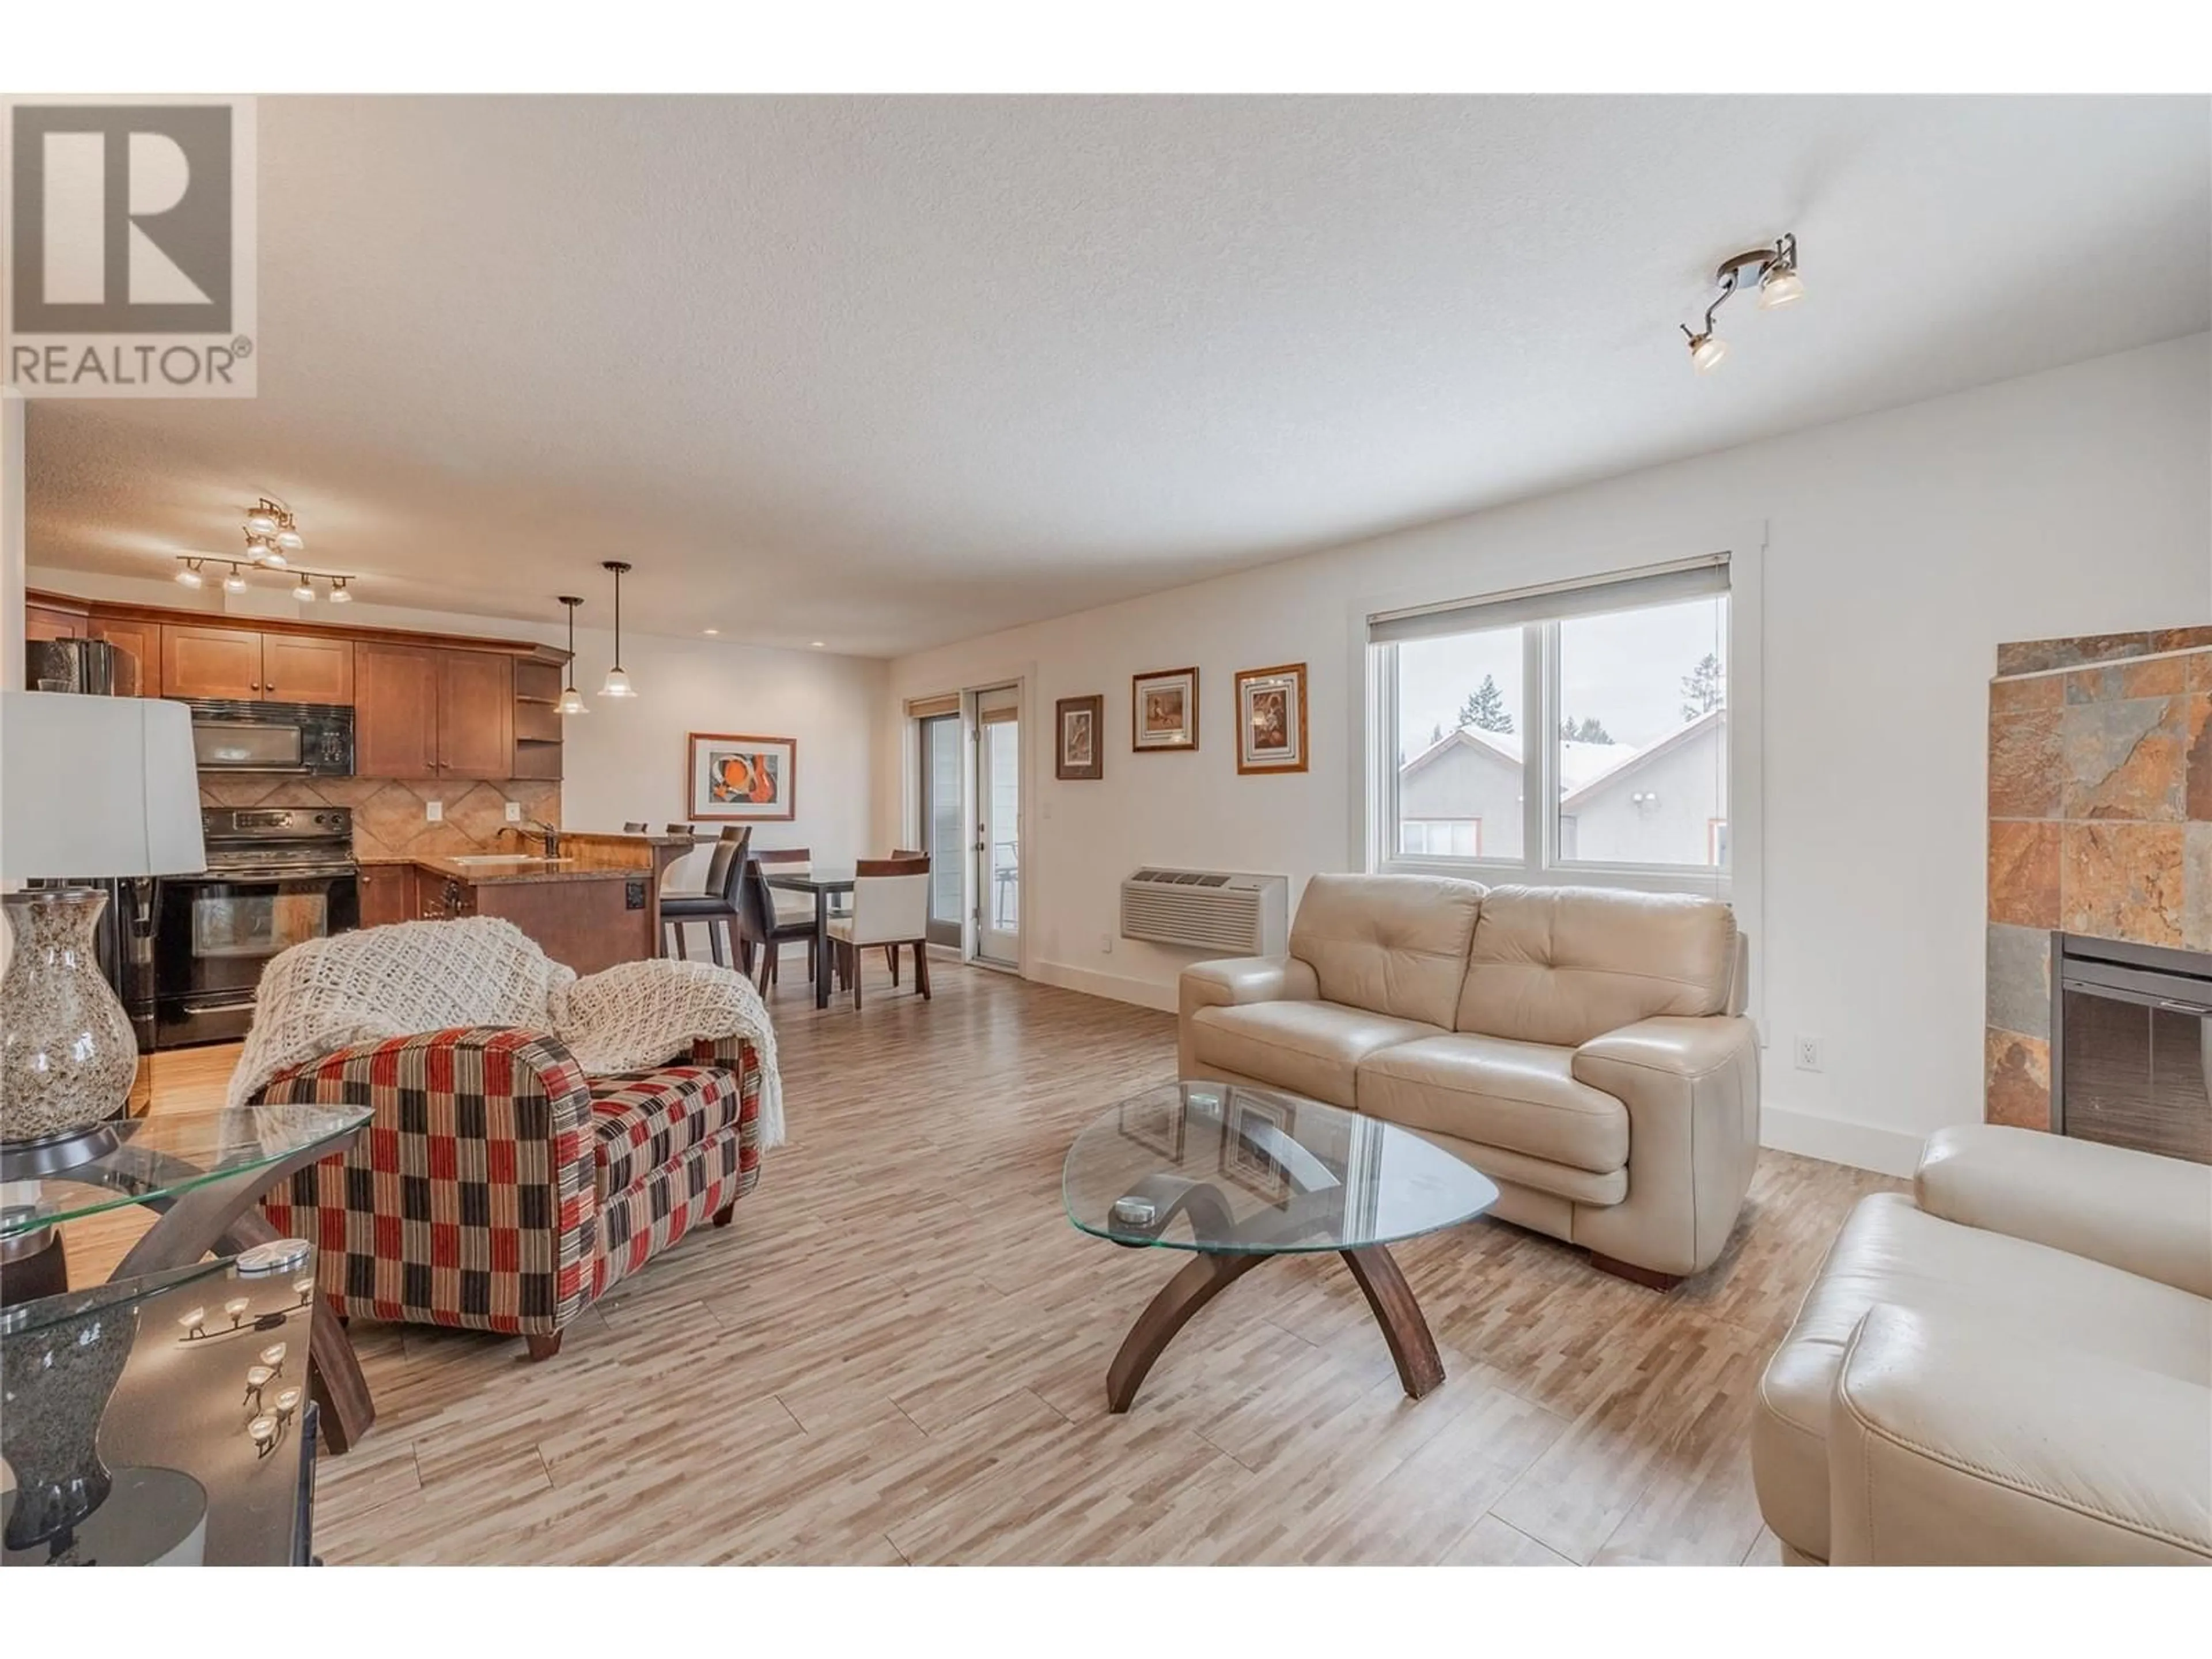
2100 823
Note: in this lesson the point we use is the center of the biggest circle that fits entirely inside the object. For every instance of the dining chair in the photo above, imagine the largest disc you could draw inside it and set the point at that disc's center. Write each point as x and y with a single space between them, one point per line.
718 905
633 828
789 861
890 908
763 928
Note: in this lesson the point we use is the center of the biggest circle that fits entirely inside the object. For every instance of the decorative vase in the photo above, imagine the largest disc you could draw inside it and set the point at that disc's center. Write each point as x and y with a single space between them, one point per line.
67 1054
55 1382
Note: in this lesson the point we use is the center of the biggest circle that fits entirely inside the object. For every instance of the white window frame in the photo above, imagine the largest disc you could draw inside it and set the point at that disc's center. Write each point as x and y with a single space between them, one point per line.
1740 882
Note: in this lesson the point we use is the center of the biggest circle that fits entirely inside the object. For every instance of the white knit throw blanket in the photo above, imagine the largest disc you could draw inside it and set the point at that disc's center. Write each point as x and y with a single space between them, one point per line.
386 982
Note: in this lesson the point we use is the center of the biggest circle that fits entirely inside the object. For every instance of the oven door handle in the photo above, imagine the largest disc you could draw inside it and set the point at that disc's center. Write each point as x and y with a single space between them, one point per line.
197 1009
2197 1008
263 877
288 771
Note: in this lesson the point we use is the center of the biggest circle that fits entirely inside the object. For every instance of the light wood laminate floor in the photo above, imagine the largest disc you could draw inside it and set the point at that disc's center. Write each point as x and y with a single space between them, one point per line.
897 1353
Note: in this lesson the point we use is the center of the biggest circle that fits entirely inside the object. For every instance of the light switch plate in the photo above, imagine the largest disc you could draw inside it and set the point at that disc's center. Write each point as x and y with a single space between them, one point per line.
434 811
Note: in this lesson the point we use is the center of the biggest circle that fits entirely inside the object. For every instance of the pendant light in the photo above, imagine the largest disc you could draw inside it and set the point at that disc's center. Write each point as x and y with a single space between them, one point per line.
572 700
616 683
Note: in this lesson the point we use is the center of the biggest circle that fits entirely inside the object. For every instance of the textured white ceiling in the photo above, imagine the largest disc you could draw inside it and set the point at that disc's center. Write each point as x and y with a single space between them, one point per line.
888 372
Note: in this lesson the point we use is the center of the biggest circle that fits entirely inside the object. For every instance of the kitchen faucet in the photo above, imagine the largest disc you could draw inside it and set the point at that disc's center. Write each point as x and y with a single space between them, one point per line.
549 837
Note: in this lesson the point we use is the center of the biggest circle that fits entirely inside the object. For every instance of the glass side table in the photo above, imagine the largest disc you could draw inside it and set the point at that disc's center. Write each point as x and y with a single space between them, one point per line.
201 1172
162 1419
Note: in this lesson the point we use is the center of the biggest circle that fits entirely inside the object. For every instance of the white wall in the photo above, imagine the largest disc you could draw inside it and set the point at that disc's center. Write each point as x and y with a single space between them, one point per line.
11 538
626 761
1902 548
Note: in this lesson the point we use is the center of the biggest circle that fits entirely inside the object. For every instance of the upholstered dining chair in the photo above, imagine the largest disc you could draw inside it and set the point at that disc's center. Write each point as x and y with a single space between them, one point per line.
717 906
765 928
633 828
890 908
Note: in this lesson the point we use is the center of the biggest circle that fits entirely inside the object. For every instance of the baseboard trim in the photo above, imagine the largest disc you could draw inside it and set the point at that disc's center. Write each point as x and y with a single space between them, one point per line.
1143 992
1837 1140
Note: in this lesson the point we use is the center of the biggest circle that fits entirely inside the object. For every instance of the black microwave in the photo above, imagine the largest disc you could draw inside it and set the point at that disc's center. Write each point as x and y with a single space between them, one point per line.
305 739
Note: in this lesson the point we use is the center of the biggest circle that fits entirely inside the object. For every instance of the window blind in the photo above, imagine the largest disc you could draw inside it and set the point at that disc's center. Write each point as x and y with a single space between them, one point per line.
922 709
1661 583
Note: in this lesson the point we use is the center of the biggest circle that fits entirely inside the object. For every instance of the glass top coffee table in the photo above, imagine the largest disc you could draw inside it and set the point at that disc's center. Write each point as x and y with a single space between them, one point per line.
1235 1174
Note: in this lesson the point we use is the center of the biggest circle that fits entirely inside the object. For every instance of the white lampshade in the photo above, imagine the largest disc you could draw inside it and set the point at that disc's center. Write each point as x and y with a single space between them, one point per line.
1780 287
97 786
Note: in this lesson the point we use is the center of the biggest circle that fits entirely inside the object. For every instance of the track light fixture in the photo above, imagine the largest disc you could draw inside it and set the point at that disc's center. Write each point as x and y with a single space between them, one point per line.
572 700
191 573
1774 269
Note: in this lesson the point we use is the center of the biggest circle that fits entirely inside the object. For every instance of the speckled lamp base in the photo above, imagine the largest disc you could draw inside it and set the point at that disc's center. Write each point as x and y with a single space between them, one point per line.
67 1054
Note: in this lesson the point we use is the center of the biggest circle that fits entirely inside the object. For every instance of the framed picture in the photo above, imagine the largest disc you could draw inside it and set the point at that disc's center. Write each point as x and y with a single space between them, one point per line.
1081 738
1252 1128
733 775
1163 712
1270 718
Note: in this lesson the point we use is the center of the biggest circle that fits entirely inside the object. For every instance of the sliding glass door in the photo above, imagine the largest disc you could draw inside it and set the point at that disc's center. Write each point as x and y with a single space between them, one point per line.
999 826
939 773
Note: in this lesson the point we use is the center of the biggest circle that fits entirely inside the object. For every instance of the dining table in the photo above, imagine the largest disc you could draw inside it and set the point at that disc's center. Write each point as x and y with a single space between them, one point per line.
825 882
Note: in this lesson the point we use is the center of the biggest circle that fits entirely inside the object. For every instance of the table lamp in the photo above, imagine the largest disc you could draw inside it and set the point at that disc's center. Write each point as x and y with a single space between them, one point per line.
89 786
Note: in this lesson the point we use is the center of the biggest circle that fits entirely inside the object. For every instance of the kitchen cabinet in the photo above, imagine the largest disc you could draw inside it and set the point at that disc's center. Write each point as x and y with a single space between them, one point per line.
424 712
387 894
302 668
475 715
246 665
142 641
44 623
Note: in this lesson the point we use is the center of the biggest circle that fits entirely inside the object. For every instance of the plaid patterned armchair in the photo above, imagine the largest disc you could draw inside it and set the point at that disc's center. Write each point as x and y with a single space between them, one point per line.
499 1187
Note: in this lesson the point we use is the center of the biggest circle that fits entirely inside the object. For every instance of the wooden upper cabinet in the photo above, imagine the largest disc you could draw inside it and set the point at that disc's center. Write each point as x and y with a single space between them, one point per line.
142 641
298 668
423 712
395 694
476 714
211 662
44 622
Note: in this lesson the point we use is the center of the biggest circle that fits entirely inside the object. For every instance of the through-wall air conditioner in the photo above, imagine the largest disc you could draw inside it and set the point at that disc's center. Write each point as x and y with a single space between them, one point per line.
1242 915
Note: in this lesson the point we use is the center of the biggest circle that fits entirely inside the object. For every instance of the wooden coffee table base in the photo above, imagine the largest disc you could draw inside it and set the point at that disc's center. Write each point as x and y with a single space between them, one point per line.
1205 1276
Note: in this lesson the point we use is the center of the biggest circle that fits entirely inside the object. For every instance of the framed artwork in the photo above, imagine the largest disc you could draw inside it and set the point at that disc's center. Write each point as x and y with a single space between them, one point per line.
733 775
1252 1127
1081 738
1163 712
1270 718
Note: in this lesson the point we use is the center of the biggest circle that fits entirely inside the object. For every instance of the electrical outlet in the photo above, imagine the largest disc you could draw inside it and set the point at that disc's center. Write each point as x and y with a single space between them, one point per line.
434 811
514 811
1808 1054
1106 944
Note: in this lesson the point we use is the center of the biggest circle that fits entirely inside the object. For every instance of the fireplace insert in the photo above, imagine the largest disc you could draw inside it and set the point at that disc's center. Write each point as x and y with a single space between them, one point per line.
2131 1045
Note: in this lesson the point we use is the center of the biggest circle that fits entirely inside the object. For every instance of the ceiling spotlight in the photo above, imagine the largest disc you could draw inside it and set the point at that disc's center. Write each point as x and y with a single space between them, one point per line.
262 552
340 593
710 632
616 683
1774 269
818 645
305 592
188 575
234 583
1780 287
262 522
291 541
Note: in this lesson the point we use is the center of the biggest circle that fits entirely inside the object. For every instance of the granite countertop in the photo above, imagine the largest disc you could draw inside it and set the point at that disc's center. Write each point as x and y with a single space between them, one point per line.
631 841
485 875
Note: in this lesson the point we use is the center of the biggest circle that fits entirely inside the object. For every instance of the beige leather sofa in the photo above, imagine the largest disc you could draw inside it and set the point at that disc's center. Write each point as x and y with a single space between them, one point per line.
1584 1048
2012 1365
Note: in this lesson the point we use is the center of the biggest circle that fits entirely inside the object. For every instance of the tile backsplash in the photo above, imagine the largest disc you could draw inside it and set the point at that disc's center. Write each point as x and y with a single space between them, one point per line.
388 817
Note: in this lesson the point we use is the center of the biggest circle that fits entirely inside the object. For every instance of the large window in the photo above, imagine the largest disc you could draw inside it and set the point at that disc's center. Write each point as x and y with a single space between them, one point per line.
1567 734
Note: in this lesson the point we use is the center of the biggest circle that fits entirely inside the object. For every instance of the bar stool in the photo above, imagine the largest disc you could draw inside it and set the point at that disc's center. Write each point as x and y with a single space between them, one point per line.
718 905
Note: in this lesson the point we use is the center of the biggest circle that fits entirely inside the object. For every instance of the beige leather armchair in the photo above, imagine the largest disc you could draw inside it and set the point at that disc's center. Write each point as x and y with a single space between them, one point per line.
2013 1365
1584 1048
